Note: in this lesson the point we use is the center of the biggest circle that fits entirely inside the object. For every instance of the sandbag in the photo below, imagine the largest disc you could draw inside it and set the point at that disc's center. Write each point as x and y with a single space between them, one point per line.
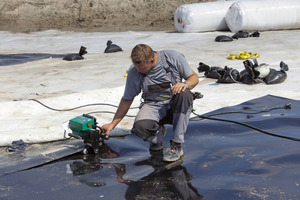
228 75
275 77
199 17
263 15
209 72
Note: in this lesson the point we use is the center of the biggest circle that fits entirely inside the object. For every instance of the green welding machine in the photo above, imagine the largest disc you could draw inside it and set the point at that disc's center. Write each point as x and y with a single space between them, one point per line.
85 127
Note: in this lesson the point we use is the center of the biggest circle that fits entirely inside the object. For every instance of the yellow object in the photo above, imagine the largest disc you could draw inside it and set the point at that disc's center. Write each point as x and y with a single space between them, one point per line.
242 56
126 73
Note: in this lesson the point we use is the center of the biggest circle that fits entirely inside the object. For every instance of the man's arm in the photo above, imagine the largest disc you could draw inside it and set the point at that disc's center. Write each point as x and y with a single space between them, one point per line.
122 110
189 83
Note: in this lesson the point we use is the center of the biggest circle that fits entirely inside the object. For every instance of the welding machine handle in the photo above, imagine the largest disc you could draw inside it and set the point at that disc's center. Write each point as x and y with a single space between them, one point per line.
102 134
101 131
89 116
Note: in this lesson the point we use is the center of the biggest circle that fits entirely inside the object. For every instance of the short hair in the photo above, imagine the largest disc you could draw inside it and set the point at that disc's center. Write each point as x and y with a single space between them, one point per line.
141 53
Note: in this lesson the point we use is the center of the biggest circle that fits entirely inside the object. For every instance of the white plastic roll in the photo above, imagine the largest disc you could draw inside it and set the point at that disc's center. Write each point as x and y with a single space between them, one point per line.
199 17
263 15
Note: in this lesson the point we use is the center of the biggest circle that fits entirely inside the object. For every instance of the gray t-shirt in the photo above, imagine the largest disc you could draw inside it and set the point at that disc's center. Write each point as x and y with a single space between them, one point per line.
177 62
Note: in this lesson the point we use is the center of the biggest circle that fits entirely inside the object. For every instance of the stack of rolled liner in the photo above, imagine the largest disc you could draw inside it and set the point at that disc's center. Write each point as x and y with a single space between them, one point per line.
246 15
200 17
263 15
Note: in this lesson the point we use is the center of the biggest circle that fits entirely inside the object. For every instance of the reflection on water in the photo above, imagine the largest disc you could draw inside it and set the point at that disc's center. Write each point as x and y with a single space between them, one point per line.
167 181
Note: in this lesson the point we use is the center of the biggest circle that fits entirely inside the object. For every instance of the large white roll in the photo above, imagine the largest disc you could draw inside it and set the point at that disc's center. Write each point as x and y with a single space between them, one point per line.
263 15
199 17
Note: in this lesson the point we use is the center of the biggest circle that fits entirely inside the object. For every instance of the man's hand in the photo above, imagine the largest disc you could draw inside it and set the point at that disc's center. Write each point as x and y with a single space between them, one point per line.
178 87
106 128
189 83
123 107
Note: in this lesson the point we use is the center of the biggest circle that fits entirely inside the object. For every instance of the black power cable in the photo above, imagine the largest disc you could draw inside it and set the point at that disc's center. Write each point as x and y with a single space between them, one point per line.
94 112
287 106
69 109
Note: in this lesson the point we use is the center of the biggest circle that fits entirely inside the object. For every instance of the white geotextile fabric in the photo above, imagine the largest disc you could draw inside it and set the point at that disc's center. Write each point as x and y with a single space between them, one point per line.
99 78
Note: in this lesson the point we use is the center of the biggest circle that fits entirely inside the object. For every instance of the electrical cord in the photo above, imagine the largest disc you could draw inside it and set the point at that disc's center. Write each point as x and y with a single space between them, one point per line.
287 106
70 109
94 112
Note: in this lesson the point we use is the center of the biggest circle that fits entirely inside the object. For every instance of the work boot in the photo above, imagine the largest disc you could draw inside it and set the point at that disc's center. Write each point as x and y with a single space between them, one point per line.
156 147
159 146
173 153
172 165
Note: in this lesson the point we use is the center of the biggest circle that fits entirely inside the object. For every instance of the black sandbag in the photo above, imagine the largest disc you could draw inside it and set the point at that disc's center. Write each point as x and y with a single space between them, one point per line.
255 34
248 79
209 72
111 48
203 67
79 56
249 75
240 34
275 77
223 38
228 75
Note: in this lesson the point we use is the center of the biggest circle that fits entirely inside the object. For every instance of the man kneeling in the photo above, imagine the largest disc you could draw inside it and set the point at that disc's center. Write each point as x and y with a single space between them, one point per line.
158 75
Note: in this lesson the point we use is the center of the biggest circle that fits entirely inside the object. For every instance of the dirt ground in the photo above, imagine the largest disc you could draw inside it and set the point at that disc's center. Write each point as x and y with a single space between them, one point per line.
89 15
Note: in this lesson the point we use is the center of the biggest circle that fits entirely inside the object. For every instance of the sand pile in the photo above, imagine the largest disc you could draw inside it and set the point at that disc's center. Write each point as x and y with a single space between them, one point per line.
89 15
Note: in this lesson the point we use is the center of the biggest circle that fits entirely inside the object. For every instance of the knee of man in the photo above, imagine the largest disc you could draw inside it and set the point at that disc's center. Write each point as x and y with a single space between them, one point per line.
186 95
145 128
182 101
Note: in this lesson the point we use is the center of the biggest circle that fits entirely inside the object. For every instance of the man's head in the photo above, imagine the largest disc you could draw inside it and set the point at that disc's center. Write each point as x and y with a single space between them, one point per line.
143 57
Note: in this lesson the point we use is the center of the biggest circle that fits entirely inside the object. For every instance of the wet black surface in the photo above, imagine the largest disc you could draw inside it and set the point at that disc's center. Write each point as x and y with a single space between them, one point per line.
14 59
221 161
37 155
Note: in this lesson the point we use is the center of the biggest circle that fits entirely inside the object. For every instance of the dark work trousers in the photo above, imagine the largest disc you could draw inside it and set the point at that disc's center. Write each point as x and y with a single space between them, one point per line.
153 114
